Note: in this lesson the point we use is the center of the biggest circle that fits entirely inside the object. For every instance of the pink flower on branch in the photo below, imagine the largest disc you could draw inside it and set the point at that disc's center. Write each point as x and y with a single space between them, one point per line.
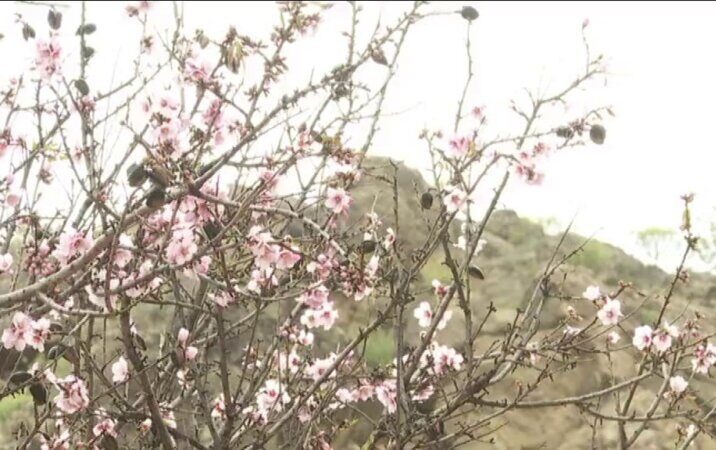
338 201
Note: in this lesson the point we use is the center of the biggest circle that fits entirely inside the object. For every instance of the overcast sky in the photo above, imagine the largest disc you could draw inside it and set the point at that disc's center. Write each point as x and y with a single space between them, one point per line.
660 57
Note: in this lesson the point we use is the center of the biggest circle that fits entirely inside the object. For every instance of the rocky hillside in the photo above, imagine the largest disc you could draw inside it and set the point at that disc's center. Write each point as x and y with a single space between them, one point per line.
516 253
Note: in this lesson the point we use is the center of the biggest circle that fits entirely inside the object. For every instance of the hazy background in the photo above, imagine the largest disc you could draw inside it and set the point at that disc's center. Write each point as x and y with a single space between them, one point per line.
660 56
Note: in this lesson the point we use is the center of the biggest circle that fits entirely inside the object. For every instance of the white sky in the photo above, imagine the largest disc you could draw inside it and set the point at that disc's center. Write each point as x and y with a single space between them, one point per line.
660 56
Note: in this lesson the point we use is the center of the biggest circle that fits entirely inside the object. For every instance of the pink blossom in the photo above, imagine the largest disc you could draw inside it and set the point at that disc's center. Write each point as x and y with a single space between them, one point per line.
319 367
613 337
424 393
592 293
3 147
642 337
387 393
168 106
261 245
441 358
73 396
189 352
338 200
364 392
167 133
271 397
72 243
182 336
120 370
325 317
213 116
440 289
343 396
123 254
218 408
13 197
145 426
198 70
671 330
19 332
478 112
389 240
287 258
140 7
455 200
288 362
39 334
662 341
678 384
704 358
528 172
5 262
47 59
304 338
181 248
424 314
611 312
59 441
168 416
322 266
261 279
223 299
202 266
105 427
447 358
459 147
314 298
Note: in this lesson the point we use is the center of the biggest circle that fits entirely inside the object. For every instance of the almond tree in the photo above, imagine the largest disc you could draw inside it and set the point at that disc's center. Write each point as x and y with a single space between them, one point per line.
176 212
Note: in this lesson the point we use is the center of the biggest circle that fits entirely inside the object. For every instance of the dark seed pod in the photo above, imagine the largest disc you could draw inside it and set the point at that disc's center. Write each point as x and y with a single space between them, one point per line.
54 18
233 54
56 351
178 357
82 86
564 132
70 355
87 28
211 229
469 13
597 134
28 32
378 56
136 175
39 393
156 197
108 442
368 246
426 200
159 175
340 90
202 39
140 342
20 377
475 272
87 52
